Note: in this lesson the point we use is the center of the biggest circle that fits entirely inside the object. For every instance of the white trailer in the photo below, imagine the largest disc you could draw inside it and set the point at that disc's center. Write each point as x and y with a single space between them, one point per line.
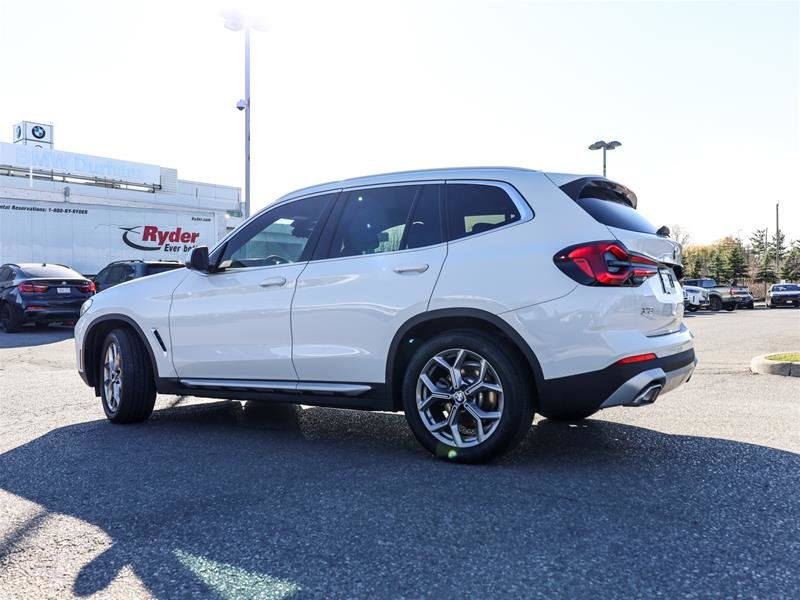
86 221
87 237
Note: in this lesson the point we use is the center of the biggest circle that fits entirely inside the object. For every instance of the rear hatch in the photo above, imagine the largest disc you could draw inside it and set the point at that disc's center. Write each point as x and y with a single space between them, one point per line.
58 294
659 297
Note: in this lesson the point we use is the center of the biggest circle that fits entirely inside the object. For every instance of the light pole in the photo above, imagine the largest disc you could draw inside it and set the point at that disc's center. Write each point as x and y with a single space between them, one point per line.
605 146
236 21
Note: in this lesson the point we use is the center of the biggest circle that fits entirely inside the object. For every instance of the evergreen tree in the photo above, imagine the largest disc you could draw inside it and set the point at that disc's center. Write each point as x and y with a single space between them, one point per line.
737 263
791 265
777 248
719 268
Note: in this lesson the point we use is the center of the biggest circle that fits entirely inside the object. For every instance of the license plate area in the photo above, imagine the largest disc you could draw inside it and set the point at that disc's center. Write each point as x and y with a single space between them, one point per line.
667 282
65 290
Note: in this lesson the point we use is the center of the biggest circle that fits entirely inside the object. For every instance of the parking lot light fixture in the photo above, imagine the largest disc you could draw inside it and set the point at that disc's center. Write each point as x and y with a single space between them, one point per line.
237 21
602 145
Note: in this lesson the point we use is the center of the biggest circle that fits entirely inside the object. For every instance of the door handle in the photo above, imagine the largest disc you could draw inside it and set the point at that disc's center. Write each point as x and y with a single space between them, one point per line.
402 270
273 282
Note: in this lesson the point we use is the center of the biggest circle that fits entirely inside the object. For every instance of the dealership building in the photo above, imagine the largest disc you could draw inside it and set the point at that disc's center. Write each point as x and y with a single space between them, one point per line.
86 211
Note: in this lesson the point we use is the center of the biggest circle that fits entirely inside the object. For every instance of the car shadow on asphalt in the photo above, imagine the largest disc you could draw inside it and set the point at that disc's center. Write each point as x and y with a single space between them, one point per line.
33 336
326 503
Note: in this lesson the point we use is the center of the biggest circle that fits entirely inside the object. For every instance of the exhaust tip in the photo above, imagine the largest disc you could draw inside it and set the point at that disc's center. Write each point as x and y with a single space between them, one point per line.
647 395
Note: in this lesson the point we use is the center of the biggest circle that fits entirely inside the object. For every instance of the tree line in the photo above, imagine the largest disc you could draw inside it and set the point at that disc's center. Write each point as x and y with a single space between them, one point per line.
730 259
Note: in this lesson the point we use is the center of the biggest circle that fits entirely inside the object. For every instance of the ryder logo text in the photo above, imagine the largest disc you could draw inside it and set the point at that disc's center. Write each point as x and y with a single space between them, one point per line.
151 238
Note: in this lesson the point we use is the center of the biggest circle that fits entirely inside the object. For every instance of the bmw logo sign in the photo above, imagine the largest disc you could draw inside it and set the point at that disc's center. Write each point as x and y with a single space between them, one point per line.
38 132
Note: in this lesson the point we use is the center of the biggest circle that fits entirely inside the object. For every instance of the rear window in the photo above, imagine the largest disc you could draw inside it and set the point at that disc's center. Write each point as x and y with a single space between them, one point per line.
786 288
46 271
153 269
608 203
616 214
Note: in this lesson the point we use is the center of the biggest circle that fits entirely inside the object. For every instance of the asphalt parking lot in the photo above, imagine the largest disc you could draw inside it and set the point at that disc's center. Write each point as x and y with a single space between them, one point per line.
695 496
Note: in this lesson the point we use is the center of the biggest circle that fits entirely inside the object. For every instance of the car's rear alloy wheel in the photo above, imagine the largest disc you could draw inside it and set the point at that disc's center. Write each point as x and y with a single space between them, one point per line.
466 397
459 397
127 386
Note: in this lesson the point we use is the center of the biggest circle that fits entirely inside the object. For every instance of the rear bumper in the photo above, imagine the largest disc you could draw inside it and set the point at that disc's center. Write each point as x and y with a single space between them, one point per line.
50 315
632 384
784 300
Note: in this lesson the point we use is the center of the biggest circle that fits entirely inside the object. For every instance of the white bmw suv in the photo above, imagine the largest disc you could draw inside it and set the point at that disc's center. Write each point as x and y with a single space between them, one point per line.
467 298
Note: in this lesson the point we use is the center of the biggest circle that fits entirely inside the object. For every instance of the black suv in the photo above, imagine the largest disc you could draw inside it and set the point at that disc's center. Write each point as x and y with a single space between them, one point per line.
124 270
40 293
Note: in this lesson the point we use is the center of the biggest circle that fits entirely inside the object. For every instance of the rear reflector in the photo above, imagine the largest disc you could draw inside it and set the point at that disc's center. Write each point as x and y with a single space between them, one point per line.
635 359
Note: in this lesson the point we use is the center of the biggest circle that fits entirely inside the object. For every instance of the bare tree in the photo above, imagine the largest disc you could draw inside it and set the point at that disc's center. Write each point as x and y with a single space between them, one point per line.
680 235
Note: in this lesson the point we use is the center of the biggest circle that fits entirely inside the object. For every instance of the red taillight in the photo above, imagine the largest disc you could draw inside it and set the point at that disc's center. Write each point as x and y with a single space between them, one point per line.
32 288
88 287
604 263
634 359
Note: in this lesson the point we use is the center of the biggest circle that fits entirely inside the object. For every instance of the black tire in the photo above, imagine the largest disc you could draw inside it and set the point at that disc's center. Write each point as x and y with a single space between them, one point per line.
715 303
567 416
10 321
137 390
517 397
730 307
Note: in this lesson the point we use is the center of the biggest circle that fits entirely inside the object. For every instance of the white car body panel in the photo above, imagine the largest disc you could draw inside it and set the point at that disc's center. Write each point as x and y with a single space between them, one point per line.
346 311
147 302
234 324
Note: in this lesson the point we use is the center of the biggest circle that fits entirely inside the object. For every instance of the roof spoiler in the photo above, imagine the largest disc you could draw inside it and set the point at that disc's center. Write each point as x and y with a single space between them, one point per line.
597 187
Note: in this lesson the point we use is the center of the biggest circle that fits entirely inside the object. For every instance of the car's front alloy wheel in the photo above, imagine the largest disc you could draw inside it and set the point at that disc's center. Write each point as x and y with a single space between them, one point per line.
127 385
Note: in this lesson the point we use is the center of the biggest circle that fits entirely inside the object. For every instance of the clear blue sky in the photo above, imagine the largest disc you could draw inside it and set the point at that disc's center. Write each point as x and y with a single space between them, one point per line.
704 96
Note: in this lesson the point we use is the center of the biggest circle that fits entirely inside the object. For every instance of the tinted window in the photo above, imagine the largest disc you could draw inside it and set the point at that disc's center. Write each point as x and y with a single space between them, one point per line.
474 208
102 276
616 214
785 288
5 273
425 227
56 271
153 269
374 220
278 236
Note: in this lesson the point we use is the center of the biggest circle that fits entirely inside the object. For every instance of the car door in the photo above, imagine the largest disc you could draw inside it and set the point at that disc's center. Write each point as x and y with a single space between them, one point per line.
380 255
234 324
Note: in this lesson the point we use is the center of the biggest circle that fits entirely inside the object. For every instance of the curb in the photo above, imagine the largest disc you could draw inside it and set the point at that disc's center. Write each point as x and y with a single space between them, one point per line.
760 364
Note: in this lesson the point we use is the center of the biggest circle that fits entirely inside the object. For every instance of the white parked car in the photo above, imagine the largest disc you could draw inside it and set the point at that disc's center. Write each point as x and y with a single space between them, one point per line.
467 298
695 298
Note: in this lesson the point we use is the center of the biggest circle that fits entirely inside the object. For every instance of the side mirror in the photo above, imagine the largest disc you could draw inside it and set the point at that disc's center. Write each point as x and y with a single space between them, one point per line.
198 259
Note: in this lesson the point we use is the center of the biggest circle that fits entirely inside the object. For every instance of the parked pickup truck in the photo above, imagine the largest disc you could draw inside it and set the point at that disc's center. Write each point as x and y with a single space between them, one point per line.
722 296
783 294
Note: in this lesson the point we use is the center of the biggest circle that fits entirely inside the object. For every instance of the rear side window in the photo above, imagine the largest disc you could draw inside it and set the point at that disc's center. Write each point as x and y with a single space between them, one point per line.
475 208
153 269
616 214
373 220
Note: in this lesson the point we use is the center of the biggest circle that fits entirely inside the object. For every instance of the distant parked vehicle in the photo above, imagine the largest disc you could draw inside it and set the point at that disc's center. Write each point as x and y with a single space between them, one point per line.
694 298
719 296
783 294
40 294
121 271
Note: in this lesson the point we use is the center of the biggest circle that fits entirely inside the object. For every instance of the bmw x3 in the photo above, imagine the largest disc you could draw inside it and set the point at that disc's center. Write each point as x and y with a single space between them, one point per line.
469 299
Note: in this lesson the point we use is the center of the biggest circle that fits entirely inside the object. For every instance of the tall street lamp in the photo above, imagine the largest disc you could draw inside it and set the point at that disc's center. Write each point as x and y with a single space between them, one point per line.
605 146
236 21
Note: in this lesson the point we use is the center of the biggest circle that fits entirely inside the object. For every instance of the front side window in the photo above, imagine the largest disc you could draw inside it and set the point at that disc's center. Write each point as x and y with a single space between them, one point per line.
279 236
387 219
475 208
